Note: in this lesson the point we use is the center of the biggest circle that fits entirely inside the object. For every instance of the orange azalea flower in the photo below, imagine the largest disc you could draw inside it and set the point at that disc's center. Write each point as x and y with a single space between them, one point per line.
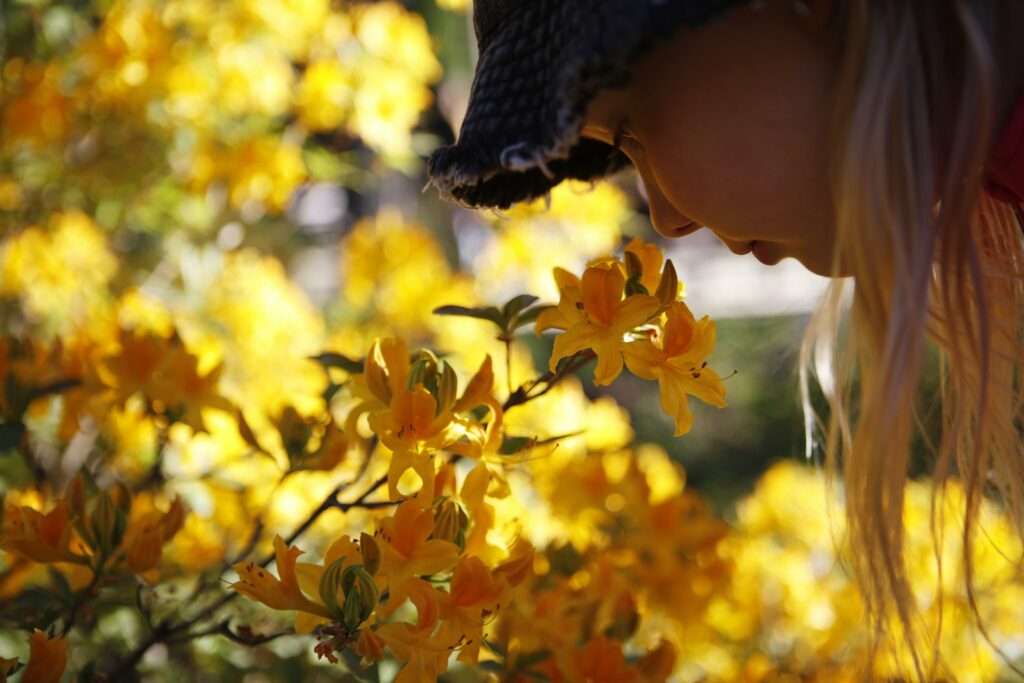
600 660
38 537
7 667
284 593
425 656
602 317
412 429
408 554
387 369
147 532
678 364
369 646
47 658
565 314
474 595
165 372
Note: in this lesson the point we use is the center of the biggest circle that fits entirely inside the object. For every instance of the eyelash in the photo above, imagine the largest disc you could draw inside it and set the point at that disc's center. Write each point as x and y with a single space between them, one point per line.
624 141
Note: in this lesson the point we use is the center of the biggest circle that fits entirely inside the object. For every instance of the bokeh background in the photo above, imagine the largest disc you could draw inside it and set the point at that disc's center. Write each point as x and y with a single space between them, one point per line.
250 174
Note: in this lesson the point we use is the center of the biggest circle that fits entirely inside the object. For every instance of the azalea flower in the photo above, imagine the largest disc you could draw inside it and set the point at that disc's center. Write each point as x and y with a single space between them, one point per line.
676 360
596 316
47 658
282 593
409 552
38 537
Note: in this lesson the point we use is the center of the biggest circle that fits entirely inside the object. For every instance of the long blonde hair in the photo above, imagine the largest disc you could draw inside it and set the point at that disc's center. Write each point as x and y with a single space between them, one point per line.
923 89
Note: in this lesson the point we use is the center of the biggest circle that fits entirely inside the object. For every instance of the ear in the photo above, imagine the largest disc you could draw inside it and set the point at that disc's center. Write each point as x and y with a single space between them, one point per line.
814 15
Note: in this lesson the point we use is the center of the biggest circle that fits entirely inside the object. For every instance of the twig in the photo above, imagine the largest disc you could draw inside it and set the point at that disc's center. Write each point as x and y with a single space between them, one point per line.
165 631
549 379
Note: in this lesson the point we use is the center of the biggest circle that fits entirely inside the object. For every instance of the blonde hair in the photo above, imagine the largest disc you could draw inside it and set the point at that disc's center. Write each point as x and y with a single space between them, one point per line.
923 89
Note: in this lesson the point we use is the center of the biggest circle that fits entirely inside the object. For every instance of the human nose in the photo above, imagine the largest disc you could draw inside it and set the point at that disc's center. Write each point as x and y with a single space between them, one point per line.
665 218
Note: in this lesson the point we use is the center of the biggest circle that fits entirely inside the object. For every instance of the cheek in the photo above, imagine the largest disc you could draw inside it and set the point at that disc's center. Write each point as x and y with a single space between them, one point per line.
737 141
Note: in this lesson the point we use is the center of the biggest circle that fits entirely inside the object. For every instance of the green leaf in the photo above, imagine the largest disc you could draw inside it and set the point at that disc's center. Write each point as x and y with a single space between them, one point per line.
527 317
511 445
516 304
329 359
495 648
490 313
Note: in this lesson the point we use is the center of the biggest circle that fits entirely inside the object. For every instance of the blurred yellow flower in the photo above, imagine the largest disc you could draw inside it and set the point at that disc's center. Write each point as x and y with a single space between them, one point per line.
61 274
324 96
48 657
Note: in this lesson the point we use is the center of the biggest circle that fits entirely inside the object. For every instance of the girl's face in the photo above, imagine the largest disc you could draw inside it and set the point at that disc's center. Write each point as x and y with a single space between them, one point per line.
726 125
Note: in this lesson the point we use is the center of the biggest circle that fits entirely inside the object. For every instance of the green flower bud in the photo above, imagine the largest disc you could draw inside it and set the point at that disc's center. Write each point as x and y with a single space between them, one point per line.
330 588
447 388
361 596
450 522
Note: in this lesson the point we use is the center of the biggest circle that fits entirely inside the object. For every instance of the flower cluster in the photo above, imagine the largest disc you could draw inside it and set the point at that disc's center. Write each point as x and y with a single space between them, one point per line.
631 309
106 532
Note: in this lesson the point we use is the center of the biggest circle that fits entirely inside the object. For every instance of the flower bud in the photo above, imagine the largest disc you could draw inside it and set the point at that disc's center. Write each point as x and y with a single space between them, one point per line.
361 596
330 588
668 286
371 553
121 497
107 522
450 522
447 388
375 374
424 371
634 267
75 496
173 521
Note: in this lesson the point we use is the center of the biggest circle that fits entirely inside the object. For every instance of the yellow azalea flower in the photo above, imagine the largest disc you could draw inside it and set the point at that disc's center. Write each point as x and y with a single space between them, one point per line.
369 646
412 429
566 313
164 372
678 364
602 317
47 658
600 660
324 95
408 554
284 594
38 537
147 532
475 594
425 656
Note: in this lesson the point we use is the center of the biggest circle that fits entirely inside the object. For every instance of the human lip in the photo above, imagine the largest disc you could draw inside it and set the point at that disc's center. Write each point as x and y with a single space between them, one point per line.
764 253
687 229
740 249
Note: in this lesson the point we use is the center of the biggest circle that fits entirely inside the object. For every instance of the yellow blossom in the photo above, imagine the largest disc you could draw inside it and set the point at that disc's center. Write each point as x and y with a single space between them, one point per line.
40 538
277 593
474 595
598 317
410 553
679 365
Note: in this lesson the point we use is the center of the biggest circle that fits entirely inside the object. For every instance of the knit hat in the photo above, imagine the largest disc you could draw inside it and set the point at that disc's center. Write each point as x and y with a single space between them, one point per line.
541 61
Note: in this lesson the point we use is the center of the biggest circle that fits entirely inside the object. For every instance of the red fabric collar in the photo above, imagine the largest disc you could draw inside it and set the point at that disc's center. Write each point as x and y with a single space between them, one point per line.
1004 175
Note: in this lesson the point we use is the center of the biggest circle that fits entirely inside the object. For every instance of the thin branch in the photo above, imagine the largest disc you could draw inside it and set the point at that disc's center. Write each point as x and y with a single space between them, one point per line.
549 379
